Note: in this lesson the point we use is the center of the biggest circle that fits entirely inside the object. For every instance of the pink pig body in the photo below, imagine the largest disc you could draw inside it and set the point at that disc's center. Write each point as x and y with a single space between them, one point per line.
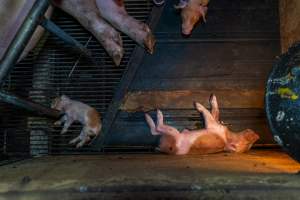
214 138
191 12
114 12
87 14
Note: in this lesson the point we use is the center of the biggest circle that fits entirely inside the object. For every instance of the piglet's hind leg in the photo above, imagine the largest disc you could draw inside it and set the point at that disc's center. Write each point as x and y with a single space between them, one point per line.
208 118
66 126
215 112
60 121
75 140
164 129
151 124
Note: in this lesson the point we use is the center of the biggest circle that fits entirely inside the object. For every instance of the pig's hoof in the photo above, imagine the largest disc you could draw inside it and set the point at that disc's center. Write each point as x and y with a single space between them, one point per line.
57 123
212 98
159 113
149 42
75 140
79 145
199 106
117 57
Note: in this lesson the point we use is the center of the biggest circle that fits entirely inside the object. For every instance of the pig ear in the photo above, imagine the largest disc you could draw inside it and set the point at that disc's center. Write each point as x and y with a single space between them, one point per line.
182 4
251 136
202 11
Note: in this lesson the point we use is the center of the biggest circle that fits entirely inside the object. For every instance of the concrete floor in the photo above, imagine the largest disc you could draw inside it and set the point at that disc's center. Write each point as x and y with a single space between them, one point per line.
259 174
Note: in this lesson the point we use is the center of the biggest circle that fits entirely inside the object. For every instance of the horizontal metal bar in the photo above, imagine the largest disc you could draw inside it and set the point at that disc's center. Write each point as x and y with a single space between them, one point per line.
29 105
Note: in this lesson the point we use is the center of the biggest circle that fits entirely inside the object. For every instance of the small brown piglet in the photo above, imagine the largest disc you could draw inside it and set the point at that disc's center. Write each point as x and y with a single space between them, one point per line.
77 111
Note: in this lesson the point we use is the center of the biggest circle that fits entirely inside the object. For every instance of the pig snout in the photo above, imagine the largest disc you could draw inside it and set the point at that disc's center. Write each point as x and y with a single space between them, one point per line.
190 17
186 30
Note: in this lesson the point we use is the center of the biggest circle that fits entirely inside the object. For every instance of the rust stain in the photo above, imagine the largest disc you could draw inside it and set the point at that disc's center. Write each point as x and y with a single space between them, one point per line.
149 100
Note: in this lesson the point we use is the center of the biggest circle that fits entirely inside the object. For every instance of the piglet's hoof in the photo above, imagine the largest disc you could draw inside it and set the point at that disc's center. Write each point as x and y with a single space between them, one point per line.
57 123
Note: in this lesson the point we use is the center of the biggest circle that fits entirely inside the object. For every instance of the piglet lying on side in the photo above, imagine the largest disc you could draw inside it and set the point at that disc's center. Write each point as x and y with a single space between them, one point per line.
78 111
214 138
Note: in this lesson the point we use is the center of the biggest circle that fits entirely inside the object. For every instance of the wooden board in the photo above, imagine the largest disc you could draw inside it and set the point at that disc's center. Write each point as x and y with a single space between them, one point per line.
256 175
289 23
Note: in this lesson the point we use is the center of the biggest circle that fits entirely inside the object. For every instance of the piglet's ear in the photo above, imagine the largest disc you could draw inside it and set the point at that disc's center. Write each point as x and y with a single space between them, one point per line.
202 11
251 136
182 4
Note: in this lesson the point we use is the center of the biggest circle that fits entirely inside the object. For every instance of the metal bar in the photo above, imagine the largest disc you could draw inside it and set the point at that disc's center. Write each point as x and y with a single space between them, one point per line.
54 29
125 83
29 105
22 37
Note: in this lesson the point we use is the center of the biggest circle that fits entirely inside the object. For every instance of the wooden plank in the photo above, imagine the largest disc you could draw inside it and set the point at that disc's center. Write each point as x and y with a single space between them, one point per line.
230 98
289 23
244 63
258 174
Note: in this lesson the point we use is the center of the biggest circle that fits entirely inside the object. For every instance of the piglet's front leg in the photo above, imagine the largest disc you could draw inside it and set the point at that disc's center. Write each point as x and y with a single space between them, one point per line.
60 121
67 124
114 12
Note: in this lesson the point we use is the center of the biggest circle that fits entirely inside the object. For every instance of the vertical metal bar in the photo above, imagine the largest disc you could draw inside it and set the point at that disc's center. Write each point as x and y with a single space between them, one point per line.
22 37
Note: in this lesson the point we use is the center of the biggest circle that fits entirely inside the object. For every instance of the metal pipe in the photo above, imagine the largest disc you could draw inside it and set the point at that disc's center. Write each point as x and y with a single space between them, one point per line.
54 29
29 105
22 37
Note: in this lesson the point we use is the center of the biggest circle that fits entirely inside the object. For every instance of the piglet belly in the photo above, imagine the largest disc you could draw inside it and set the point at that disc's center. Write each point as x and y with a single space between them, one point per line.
208 143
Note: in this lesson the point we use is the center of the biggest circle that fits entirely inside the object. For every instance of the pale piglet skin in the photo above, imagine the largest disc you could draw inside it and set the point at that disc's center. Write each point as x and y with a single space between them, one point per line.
87 14
215 137
77 111
114 12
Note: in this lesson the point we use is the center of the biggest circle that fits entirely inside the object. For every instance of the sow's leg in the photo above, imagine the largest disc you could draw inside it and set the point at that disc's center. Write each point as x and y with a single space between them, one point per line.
114 12
87 14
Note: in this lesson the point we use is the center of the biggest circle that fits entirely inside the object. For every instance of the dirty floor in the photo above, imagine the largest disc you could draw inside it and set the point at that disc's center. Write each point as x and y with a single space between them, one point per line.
259 174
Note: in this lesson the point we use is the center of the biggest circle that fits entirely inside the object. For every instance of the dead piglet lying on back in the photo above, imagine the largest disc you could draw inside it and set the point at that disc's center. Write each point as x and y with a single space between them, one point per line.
77 111
114 12
214 138
191 12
